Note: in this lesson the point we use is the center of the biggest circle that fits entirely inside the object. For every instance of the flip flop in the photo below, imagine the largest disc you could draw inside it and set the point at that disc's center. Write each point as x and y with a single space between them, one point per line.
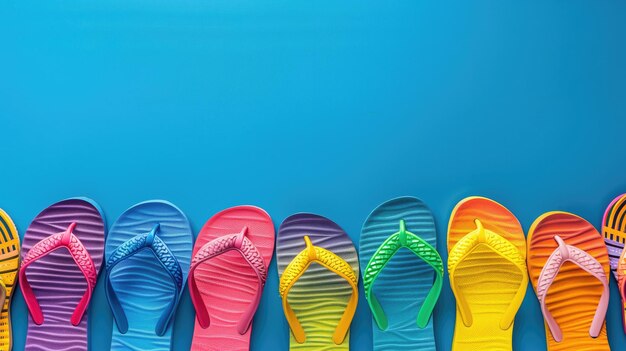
9 264
402 274
569 269
319 271
148 252
61 257
228 272
487 269
614 230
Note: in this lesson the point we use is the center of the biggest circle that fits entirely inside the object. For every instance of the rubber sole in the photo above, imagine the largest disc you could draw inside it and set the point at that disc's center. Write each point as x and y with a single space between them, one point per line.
487 280
55 279
614 230
227 284
9 265
404 283
319 297
143 287
574 295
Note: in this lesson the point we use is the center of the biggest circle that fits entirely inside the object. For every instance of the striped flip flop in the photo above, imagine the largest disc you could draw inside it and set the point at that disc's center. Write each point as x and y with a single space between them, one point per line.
9 264
319 271
614 232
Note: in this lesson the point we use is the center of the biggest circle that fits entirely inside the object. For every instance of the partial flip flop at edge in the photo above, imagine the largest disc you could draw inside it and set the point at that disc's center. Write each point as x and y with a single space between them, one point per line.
409 281
554 239
78 226
228 272
481 231
148 250
614 230
318 268
9 265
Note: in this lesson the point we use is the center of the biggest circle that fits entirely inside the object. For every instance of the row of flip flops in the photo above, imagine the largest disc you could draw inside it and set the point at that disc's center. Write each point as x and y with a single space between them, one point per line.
149 256
490 262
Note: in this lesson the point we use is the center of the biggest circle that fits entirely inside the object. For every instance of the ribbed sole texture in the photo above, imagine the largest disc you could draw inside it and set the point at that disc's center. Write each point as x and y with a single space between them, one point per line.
319 297
227 284
574 295
486 280
404 283
57 282
143 286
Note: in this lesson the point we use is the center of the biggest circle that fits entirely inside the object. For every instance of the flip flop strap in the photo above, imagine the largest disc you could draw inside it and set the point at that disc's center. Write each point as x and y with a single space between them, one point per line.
621 282
383 255
81 257
296 268
589 264
240 243
167 260
3 291
502 247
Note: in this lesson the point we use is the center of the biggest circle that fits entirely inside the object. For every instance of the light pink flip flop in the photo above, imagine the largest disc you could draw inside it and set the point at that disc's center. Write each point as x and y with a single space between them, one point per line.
228 271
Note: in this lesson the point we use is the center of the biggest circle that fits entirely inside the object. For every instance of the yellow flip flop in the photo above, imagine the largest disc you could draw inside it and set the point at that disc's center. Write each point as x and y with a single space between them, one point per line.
319 271
488 276
9 265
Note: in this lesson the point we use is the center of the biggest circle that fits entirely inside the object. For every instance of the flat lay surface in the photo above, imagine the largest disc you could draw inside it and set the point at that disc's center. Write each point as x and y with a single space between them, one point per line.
323 107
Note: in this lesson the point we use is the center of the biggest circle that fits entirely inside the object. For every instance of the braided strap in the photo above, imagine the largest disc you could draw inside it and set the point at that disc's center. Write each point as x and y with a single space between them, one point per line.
240 243
589 264
82 259
335 264
167 260
502 247
383 255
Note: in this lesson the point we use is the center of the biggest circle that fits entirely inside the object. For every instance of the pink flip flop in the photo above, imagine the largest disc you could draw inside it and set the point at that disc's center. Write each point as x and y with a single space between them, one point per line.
227 275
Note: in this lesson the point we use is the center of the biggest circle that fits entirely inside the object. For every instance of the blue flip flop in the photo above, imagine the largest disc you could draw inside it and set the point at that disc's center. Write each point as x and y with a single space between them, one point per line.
147 251
402 274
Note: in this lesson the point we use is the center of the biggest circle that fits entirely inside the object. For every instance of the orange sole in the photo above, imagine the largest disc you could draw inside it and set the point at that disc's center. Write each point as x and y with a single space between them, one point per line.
574 295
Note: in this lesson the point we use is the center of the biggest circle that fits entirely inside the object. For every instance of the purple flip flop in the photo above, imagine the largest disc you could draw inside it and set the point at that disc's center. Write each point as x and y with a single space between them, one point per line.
62 253
319 270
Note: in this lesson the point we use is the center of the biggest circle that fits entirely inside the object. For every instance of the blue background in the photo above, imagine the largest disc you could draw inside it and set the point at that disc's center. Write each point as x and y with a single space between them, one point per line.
323 106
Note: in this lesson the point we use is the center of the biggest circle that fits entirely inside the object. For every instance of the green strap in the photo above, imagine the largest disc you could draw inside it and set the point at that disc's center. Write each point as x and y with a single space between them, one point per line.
383 255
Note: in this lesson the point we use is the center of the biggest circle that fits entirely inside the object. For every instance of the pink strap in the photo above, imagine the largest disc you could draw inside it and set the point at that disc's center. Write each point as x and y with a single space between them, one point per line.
621 283
549 272
216 247
80 255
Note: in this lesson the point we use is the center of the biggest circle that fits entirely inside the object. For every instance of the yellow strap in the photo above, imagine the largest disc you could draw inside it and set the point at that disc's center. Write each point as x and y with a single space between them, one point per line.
296 269
502 247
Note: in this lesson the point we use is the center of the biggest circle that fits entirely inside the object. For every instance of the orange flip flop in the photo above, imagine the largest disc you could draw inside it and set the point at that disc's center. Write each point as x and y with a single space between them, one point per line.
569 268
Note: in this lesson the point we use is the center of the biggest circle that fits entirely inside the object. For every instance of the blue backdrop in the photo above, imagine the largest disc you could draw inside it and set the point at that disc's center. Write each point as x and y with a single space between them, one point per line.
323 106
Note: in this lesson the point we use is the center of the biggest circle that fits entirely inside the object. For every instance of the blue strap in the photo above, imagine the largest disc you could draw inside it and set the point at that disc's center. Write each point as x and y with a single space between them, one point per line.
167 260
